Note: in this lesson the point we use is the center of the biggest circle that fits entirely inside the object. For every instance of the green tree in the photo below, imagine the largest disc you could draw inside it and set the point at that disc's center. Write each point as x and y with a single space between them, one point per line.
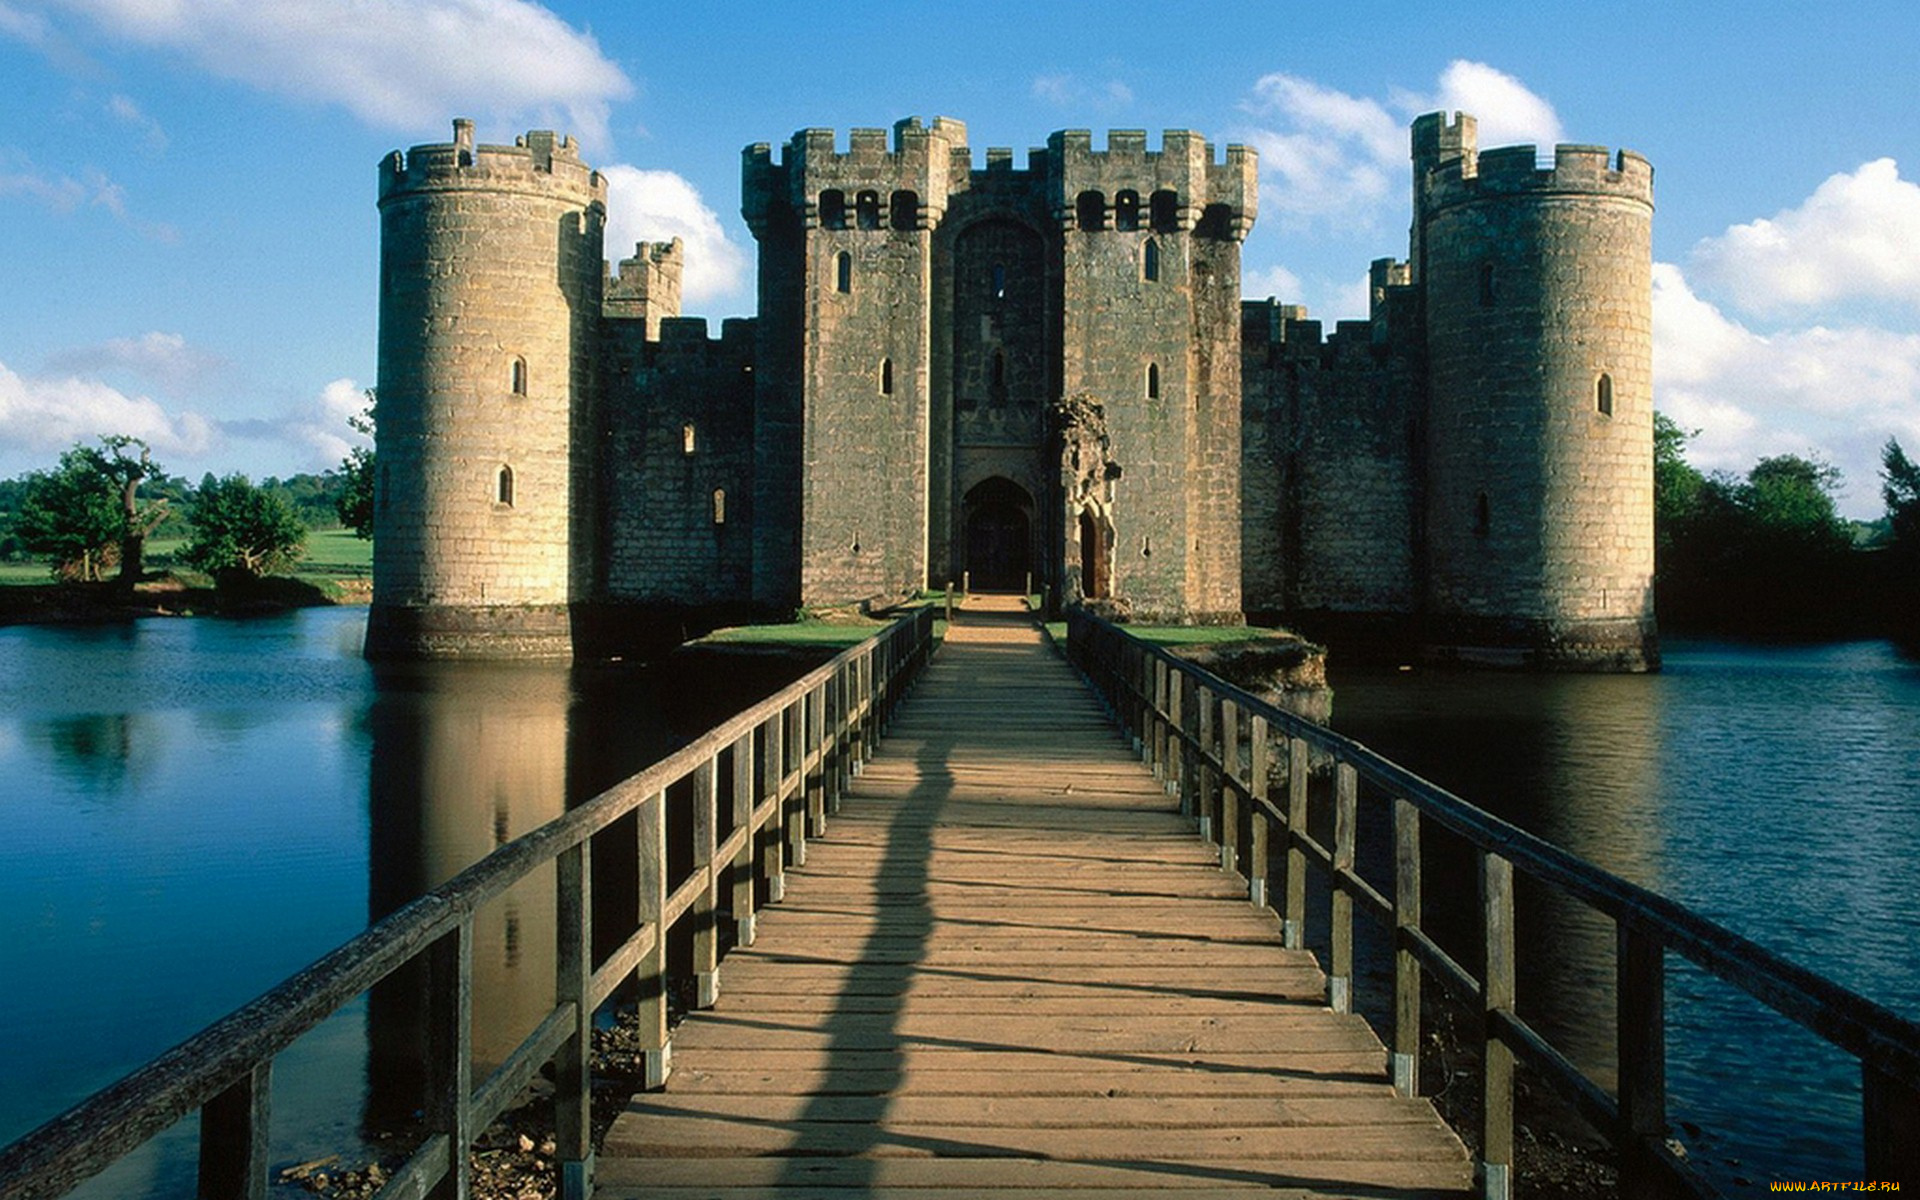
1900 488
71 516
1677 485
355 500
239 528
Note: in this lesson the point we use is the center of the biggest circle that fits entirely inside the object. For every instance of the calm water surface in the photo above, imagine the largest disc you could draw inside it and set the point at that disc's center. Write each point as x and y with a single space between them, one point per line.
1775 789
198 808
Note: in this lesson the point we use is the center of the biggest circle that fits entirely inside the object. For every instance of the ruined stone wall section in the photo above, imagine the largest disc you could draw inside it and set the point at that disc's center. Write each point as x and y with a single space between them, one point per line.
491 273
1538 293
679 513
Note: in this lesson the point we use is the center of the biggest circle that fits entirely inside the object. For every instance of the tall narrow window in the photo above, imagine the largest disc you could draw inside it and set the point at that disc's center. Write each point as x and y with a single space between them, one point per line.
866 207
1603 395
719 506
997 379
1126 210
686 439
833 209
1153 381
886 377
843 273
1150 261
1482 516
999 282
518 375
904 211
1486 285
503 487
1091 209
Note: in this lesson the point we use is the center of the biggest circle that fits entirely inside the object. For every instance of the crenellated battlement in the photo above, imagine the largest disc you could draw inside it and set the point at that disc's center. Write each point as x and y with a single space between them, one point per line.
648 286
1184 168
919 161
690 339
1515 171
539 161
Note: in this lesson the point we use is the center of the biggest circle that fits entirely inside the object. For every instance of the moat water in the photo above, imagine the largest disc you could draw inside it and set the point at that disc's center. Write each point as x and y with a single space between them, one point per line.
199 808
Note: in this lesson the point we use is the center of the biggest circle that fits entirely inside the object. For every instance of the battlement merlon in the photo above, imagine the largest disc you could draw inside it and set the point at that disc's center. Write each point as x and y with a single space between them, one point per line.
1184 165
928 161
1514 170
539 162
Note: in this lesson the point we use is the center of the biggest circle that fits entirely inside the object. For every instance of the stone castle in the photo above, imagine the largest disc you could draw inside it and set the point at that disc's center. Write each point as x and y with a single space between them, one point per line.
1019 376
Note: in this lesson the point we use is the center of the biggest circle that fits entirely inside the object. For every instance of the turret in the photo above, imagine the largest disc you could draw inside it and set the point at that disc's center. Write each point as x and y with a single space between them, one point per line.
491 271
648 287
1537 289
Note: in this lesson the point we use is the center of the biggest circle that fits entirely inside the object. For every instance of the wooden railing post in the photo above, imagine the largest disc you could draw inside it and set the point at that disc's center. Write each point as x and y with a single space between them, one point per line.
706 906
1890 1118
448 1109
1346 798
798 807
1260 824
744 929
234 1155
573 983
1293 923
1229 785
1406 964
1641 966
1496 996
1204 706
820 745
656 1053
773 773
1169 749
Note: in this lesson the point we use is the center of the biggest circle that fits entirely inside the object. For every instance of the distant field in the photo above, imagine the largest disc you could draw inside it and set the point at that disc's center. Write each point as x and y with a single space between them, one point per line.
331 554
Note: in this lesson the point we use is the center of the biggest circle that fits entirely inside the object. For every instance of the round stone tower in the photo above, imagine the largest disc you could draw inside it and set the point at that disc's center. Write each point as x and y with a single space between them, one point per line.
490 286
1537 288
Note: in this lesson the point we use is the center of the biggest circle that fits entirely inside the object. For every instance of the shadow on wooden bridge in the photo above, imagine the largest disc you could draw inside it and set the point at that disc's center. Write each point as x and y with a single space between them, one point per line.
1011 967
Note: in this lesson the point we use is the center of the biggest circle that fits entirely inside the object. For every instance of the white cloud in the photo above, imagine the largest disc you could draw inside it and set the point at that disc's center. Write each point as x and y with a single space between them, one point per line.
62 193
1065 90
1333 157
657 206
164 359
1507 113
399 64
321 428
28 27
1856 237
124 109
1275 282
45 415
1837 393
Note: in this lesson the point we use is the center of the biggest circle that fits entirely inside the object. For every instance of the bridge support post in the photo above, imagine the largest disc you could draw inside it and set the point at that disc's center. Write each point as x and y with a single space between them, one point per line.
656 1053
1346 797
819 744
1229 787
573 983
1642 1033
1406 964
1200 761
449 1083
1496 999
744 926
1891 1117
775 783
1258 825
234 1156
706 906
1293 923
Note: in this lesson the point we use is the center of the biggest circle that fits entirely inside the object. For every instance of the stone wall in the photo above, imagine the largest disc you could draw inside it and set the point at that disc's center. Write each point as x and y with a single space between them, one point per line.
677 512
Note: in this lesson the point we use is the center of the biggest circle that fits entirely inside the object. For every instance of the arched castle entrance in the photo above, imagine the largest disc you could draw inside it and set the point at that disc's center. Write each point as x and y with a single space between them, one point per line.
999 535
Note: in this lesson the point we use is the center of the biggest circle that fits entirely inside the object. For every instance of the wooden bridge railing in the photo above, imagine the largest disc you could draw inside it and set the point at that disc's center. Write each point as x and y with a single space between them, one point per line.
1211 742
806 741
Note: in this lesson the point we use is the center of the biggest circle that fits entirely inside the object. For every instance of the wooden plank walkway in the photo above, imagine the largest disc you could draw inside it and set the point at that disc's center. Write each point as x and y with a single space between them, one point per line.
1012 969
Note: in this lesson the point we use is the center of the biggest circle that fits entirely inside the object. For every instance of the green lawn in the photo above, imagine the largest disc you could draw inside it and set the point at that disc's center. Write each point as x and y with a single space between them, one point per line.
331 554
806 633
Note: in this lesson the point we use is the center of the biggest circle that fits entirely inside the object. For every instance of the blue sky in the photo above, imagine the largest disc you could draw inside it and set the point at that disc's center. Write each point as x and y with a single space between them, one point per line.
187 186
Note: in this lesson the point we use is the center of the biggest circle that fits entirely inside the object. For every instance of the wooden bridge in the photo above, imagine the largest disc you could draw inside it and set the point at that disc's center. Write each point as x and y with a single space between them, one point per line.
1000 962
1011 968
